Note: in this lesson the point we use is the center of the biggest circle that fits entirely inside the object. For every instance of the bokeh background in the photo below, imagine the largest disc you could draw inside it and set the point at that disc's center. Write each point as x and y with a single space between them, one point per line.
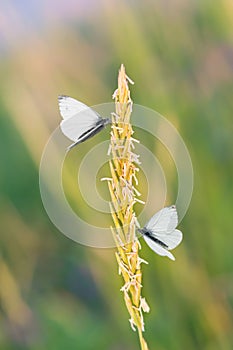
57 294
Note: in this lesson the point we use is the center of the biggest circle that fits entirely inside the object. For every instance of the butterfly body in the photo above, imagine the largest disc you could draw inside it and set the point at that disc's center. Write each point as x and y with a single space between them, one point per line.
160 232
152 236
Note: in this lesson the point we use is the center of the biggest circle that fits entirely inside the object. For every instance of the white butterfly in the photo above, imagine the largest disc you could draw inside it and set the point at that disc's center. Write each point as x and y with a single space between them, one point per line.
79 122
160 232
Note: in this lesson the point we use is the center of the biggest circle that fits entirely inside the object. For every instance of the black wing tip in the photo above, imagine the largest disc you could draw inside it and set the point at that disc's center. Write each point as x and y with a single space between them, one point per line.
61 97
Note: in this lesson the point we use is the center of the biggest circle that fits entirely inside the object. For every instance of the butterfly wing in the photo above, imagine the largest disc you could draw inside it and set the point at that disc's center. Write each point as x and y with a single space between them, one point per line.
69 106
76 126
78 119
171 239
158 248
165 220
95 130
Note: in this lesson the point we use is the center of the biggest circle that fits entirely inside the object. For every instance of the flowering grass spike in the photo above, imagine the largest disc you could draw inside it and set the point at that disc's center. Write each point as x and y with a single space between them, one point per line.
124 194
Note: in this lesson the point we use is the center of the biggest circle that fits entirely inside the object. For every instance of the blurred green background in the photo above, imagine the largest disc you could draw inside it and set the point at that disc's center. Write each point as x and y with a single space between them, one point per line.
54 293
